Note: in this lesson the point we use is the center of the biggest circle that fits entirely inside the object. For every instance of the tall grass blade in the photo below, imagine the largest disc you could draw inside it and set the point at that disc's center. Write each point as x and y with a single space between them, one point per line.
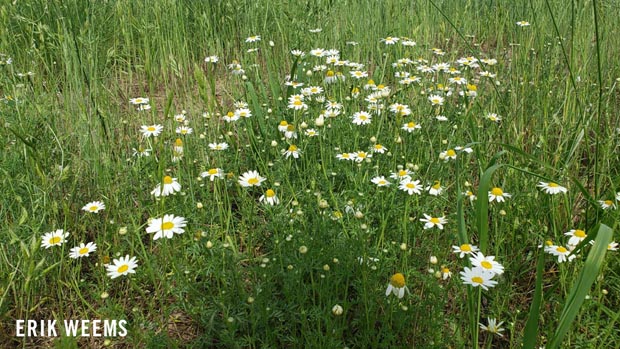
581 288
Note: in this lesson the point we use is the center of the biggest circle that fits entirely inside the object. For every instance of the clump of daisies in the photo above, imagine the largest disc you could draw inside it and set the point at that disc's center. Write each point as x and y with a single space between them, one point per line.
483 270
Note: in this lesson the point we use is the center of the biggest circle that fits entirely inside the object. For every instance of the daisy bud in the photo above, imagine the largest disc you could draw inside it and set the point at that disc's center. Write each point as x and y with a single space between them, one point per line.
271 43
250 300
433 260
303 125
320 121
244 77
337 310
274 143
373 139
209 244
326 267
323 203
438 274
303 249
604 291
363 227
308 72
359 215
502 213
403 247
199 205
122 230
398 140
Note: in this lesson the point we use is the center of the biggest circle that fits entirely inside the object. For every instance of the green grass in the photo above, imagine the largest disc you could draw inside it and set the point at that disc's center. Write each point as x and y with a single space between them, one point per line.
246 274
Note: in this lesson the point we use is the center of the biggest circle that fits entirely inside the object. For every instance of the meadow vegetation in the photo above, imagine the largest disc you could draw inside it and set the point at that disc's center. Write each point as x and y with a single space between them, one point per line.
316 173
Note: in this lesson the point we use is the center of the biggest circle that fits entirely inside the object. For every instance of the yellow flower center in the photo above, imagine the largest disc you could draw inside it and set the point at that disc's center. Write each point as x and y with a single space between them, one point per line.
290 128
297 102
178 142
477 279
410 185
437 185
402 173
371 82
465 248
411 124
283 123
83 250
361 155
382 182
93 208
549 243
168 180
253 181
608 202
486 265
561 249
55 240
363 117
579 233
472 87
212 171
451 153
123 268
378 146
445 270
151 128
553 185
270 193
381 87
434 220
497 191
292 147
330 73
167 226
398 280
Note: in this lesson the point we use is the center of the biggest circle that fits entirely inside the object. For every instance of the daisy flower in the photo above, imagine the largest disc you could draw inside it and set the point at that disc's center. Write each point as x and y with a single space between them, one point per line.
170 186
55 238
400 109
378 148
607 204
212 59
184 130
493 117
141 151
470 195
213 173
311 132
218 146
292 151
152 130
435 189
380 181
445 273
465 249
576 236
251 178
362 118
345 156
390 40
397 286
122 266
270 197
82 250
478 277
612 246
410 186
436 99
361 156
523 24
433 221
618 196
94 206
493 327
487 263
497 194
448 155
401 174
561 252
166 227
139 100
358 74
411 126
253 38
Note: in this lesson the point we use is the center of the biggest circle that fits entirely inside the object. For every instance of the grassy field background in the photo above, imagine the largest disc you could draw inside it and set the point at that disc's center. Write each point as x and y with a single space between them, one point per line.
249 275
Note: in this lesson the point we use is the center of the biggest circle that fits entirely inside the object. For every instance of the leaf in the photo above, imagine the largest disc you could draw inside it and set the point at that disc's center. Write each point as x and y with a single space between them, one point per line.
580 289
